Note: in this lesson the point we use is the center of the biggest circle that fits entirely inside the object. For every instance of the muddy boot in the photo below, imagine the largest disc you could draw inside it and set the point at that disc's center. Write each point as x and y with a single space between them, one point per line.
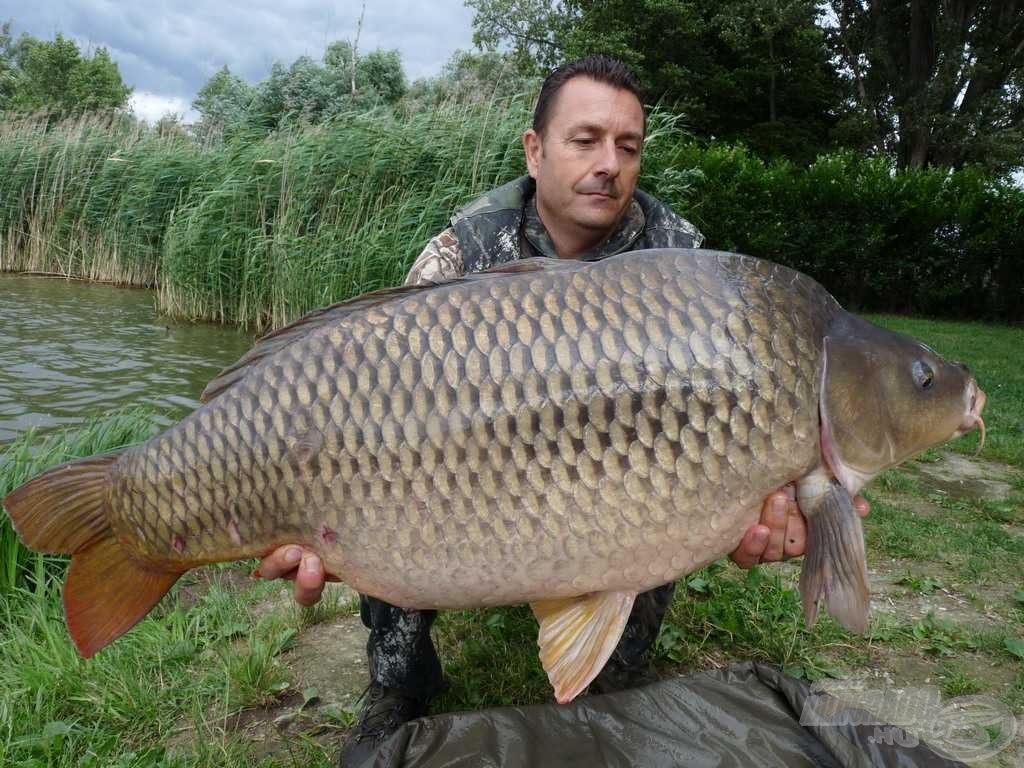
629 666
405 674
385 710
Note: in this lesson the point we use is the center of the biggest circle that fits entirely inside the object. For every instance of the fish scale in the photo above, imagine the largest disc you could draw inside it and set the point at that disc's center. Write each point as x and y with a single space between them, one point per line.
532 436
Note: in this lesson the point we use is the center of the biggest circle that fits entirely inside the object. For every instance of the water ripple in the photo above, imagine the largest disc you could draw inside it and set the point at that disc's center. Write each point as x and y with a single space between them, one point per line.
69 350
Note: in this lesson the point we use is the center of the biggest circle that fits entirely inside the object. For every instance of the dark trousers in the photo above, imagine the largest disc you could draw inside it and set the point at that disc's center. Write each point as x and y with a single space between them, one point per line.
402 655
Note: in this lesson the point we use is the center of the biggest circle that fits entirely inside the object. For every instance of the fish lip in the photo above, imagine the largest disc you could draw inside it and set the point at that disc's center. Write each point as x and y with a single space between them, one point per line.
976 400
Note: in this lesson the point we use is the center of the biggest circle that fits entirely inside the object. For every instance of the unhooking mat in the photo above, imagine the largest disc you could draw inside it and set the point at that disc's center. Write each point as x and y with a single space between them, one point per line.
745 715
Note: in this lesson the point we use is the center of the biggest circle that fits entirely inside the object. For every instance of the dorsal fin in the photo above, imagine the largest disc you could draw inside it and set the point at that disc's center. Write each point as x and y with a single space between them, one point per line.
272 343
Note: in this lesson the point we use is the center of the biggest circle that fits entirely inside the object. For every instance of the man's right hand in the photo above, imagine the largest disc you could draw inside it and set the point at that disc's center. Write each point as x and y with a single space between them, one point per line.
298 564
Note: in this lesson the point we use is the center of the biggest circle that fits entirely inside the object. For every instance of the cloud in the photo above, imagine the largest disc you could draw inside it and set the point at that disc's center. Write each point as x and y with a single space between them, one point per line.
168 50
151 107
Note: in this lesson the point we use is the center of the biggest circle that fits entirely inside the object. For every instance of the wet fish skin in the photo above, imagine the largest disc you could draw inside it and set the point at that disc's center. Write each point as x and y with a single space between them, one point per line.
529 436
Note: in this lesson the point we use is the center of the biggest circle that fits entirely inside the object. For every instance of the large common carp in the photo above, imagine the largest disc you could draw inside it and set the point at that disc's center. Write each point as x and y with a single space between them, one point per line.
551 432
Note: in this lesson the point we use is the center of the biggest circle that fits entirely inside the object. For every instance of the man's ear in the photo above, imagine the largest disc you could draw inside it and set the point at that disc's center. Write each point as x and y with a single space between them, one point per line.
533 150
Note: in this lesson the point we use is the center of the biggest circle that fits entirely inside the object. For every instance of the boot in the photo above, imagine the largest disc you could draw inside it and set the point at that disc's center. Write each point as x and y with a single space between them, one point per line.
405 675
385 710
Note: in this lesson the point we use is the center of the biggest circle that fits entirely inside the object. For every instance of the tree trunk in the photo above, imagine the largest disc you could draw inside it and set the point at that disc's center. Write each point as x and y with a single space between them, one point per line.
915 133
916 145
772 114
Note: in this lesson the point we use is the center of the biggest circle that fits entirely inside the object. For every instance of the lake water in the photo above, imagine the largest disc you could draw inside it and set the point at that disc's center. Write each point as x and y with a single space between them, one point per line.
70 350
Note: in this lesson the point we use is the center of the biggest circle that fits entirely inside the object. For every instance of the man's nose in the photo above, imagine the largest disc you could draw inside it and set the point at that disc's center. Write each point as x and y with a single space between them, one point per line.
608 162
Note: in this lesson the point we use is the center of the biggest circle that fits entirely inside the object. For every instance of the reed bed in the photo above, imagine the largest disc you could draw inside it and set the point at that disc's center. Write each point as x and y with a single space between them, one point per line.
256 230
91 197
299 219
262 228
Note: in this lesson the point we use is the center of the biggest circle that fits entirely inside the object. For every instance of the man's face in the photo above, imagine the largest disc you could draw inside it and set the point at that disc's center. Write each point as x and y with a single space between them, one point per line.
587 162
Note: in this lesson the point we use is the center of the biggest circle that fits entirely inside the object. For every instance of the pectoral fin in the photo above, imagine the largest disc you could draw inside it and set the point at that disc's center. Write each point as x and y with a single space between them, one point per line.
835 570
578 635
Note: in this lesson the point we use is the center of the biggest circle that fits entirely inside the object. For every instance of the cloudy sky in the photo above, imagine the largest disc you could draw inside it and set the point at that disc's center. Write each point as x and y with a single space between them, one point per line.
166 51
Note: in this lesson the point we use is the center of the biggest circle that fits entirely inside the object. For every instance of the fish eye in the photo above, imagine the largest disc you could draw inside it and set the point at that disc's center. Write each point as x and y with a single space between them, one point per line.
924 376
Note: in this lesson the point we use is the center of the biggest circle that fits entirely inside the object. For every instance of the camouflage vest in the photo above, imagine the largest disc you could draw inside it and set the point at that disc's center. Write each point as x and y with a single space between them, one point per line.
491 229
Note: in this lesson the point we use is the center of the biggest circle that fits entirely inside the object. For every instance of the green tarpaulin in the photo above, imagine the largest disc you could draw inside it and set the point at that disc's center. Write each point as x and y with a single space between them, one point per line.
745 715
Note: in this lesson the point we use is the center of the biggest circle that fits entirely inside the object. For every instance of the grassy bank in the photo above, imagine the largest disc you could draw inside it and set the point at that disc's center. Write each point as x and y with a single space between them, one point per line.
220 673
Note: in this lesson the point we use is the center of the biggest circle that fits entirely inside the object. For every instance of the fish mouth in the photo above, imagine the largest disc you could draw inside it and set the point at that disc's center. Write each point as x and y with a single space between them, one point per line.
976 404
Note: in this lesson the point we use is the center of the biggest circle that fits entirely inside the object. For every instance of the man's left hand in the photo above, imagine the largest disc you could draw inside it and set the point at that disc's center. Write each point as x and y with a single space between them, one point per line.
781 532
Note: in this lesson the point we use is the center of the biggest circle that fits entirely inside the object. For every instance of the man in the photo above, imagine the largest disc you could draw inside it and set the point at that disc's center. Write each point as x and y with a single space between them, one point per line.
579 202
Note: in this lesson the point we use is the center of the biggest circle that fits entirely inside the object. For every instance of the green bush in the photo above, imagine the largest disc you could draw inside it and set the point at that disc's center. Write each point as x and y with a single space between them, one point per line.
927 242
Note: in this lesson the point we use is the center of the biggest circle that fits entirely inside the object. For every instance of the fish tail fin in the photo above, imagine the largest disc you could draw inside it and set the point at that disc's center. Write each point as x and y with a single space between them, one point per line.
107 591
834 569
63 510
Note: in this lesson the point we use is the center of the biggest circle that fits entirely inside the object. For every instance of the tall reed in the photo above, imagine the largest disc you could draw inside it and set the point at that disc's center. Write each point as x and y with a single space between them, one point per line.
90 197
262 228
307 216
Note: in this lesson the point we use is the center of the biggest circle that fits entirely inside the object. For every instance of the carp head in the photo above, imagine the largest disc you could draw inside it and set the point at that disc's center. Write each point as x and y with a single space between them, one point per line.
886 397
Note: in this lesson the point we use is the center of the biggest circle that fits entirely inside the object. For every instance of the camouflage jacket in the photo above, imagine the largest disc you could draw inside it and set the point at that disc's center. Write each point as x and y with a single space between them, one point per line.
503 225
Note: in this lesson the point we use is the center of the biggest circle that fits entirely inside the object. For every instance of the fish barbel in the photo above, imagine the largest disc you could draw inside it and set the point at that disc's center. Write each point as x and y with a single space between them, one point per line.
552 432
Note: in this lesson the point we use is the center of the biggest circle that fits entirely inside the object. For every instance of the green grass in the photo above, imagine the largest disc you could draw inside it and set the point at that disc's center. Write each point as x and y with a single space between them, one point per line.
179 671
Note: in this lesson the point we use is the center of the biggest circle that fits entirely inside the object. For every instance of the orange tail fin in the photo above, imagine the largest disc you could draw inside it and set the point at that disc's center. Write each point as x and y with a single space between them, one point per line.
107 591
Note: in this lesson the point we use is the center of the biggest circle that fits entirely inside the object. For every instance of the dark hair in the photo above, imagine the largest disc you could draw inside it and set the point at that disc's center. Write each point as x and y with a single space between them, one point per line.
603 69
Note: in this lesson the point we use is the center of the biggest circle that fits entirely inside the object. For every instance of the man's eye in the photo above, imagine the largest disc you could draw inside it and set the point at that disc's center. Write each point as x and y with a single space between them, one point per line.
629 150
583 142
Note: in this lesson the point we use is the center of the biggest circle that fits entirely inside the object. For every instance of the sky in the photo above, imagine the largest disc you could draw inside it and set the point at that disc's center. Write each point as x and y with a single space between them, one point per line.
167 50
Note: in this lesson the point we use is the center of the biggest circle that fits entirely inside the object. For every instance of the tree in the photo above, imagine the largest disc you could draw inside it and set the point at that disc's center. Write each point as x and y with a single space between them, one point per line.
305 91
531 28
8 73
96 84
377 76
470 77
380 73
311 91
756 71
222 103
54 75
935 82
170 125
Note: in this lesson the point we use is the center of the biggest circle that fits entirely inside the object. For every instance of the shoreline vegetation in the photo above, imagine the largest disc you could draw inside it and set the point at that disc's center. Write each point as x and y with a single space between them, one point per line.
261 228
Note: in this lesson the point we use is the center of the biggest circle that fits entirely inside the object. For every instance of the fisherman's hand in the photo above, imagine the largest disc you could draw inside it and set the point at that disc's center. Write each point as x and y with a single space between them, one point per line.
298 564
781 532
